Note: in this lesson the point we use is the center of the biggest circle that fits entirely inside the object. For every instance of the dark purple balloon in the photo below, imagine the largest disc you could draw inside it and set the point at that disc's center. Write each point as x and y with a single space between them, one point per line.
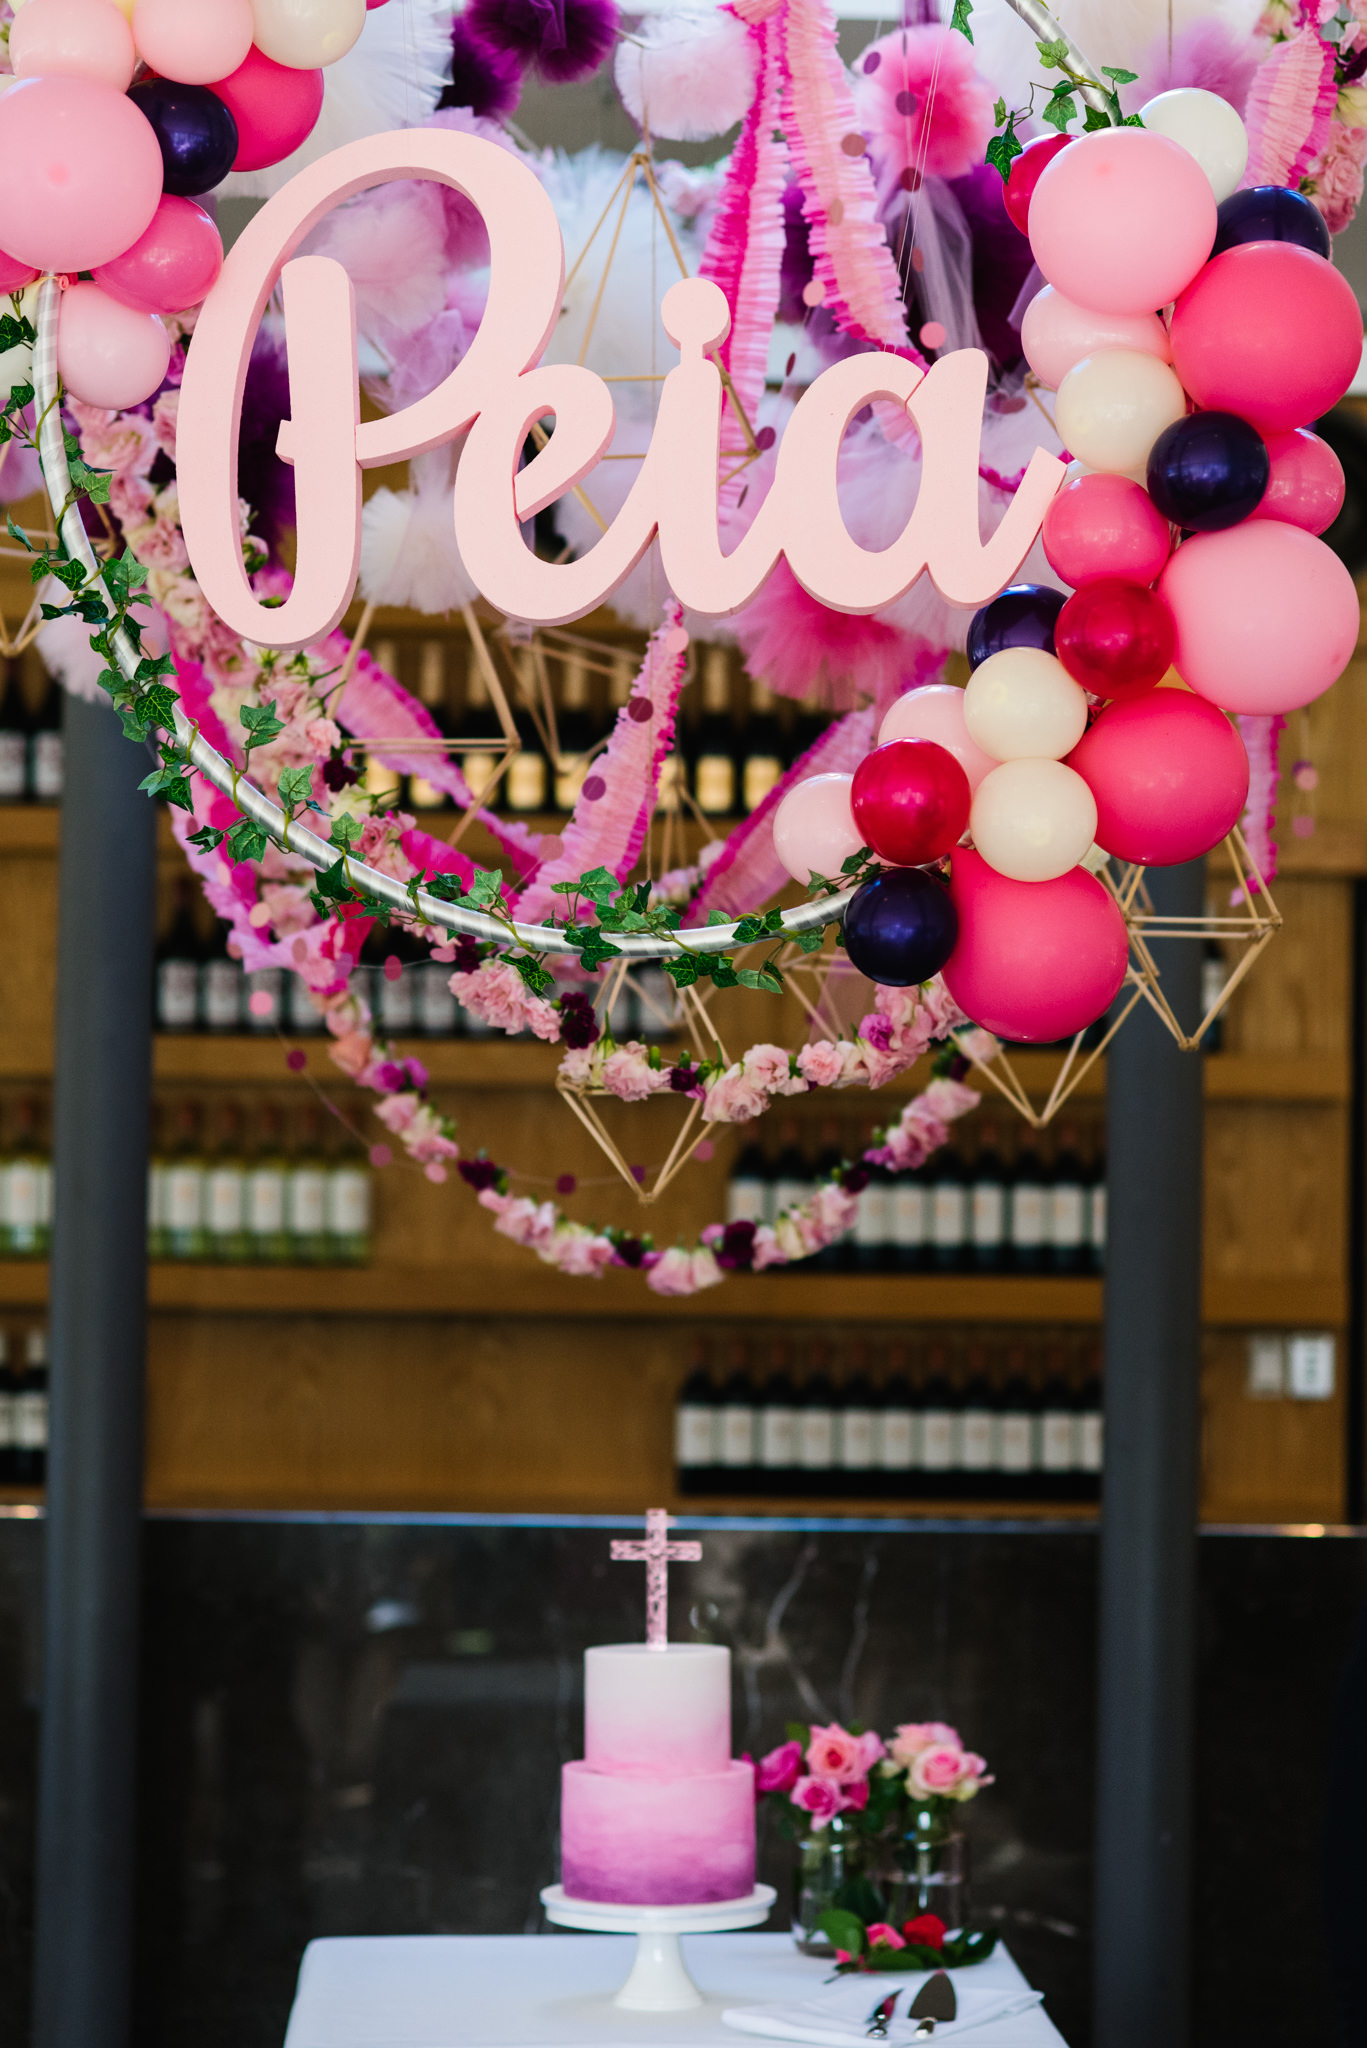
1022 615
1208 471
1270 213
197 133
901 927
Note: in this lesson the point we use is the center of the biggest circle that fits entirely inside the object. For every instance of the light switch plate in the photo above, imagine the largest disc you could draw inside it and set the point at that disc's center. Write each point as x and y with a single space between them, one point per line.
1310 1365
1266 1366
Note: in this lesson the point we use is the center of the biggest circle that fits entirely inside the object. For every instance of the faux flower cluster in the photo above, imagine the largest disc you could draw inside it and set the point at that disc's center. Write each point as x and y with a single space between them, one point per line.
828 1771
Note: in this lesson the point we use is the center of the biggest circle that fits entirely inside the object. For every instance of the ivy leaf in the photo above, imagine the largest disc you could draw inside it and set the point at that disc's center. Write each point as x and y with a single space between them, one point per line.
959 18
765 977
809 942
599 885
486 888
534 975
593 947
447 888
346 830
1053 56
246 840
296 788
1060 109
1094 118
332 885
206 839
683 971
1120 77
999 114
260 723
722 972
15 333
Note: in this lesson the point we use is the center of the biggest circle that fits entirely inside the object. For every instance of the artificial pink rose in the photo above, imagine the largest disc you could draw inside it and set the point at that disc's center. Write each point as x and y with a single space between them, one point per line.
322 735
950 1100
732 1098
543 1018
164 416
352 1052
396 1112
161 545
821 1798
765 1249
579 1251
882 1936
876 1030
495 992
791 1239
940 1007
854 1065
117 441
936 1769
872 1748
628 1074
577 1067
820 1063
911 1737
780 1770
834 1753
130 500
672 1273
769 1068
857 1794
1338 180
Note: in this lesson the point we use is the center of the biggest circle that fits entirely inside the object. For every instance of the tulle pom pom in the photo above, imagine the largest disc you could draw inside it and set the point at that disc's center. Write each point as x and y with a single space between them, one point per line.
409 554
563 39
923 107
687 77
485 79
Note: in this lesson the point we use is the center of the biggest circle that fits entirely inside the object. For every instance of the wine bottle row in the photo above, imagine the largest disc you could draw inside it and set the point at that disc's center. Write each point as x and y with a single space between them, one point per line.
30 734
977 1205
223 1186
1007 1421
23 1409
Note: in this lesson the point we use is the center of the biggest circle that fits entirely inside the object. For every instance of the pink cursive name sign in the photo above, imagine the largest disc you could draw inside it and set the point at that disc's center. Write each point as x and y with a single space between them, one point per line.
500 388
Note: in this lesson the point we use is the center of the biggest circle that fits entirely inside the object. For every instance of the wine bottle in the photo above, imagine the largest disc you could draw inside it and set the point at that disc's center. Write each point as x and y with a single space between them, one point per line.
28 1176
301 1013
437 1011
348 1207
266 1178
7 1400
816 1425
225 1191
390 956
987 1213
856 1437
977 1428
748 1190
832 1258
574 732
1017 1446
695 1427
526 785
873 1220
899 1447
1096 1215
657 1003
184 1186
1029 1207
939 1426
1091 1429
792 1181
31 1413
45 747
763 749
265 999
776 1428
714 744
15 725
158 1164
1057 1431
480 723
1068 1206
948 1211
736 1422
177 963
222 984
422 794
306 1192
910 1202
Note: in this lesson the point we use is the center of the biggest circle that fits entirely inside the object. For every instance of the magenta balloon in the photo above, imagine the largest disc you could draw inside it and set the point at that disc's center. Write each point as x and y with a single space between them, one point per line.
80 173
14 275
109 354
814 828
936 712
1268 330
1035 960
1122 221
1105 526
69 38
1306 485
1266 615
1169 774
170 267
275 108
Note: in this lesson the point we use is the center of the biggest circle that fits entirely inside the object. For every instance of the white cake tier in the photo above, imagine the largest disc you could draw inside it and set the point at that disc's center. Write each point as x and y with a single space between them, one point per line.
657 1842
657 1713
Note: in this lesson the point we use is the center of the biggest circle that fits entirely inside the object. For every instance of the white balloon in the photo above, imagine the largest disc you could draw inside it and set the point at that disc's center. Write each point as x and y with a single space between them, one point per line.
1111 408
1056 334
1208 128
1033 820
304 34
1022 704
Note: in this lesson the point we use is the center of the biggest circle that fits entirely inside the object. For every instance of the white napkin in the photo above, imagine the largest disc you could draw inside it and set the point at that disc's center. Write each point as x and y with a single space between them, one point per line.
838 2016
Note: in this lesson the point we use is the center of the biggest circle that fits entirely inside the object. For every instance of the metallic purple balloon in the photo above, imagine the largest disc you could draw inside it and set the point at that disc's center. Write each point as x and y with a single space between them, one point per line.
901 927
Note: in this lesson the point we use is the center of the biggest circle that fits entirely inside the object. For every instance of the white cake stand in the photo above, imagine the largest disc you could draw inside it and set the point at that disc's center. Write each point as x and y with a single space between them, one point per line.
658 1981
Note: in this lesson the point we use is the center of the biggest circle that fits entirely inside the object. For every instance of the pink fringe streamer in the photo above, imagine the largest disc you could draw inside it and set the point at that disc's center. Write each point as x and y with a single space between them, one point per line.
744 252
1261 737
1288 110
609 830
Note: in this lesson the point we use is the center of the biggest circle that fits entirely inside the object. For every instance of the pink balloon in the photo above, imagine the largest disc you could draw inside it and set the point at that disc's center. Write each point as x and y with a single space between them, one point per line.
192 41
275 108
1122 221
1105 526
170 267
1056 334
814 828
15 275
1267 616
109 354
936 712
1169 774
1306 486
80 172
1035 961
1268 330
73 38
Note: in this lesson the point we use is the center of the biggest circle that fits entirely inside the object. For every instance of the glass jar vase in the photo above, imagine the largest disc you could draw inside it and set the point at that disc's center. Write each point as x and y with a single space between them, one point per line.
831 1871
927 1870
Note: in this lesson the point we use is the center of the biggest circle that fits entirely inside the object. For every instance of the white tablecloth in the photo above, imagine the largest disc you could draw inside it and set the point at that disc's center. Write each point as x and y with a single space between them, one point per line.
554 1991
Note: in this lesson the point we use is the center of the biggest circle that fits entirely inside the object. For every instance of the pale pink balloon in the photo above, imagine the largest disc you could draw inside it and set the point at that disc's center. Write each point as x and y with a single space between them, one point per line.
1104 525
1169 774
1306 485
108 353
814 828
1122 221
936 712
1055 334
1267 616
192 41
80 172
172 266
1035 961
73 38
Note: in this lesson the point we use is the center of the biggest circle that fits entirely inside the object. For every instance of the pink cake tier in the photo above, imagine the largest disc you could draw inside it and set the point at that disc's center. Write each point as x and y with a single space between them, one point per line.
657 1814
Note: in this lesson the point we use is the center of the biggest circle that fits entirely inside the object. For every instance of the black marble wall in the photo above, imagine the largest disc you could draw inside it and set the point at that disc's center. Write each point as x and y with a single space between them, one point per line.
355 1726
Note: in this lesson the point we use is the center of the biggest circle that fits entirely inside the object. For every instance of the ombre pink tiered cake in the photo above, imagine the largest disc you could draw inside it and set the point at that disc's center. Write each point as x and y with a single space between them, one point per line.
657 1814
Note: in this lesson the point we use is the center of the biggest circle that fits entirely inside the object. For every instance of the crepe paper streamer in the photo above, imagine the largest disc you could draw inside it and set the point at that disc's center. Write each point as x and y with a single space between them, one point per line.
749 870
744 252
1262 743
617 802
1289 108
852 261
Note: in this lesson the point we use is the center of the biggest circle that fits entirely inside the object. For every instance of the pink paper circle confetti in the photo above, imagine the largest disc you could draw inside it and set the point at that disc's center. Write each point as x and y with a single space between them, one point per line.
566 1184
765 438
933 334
261 1002
872 62
380 1155
447 953
300 951
593 789
296 1059
813 292
640 710
676 639
790 366
638 1174
835 212
552 846
1306 775
918 260
435 1171
909 179
704 1151
259 914
853 145
1304 828
393 967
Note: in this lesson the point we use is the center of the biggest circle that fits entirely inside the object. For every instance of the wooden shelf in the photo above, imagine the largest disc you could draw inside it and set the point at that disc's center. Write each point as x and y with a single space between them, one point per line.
916 1505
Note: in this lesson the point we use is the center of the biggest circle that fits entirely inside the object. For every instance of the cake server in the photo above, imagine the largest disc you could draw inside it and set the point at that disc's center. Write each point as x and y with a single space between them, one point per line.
934 2001
877 2028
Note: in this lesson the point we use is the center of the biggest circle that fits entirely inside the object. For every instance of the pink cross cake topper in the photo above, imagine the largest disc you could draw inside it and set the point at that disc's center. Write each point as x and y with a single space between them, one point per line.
657 1553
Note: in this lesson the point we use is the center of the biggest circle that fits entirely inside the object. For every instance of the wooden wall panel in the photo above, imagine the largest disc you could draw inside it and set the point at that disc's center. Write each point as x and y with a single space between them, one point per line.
1266 1460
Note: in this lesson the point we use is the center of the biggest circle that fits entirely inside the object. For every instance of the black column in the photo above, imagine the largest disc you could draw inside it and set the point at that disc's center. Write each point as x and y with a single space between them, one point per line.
107 909
1150 1505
